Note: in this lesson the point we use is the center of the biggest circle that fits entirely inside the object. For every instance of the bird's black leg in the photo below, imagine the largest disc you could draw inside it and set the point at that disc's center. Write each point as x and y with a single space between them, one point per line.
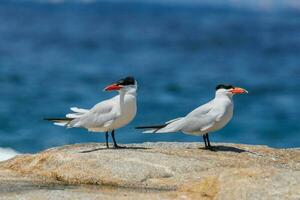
204 139
208 142
106 139
116 146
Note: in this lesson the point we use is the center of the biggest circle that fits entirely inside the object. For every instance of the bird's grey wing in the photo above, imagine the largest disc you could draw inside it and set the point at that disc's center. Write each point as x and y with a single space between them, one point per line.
179 124
201 110
195 124
97 116
201 119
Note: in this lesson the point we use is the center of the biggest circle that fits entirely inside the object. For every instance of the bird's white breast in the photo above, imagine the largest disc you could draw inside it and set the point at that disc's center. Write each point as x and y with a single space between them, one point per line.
126 114
223 119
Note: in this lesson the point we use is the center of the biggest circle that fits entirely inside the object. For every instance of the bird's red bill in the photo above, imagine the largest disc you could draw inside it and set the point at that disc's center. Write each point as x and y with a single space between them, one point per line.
112 87
238 90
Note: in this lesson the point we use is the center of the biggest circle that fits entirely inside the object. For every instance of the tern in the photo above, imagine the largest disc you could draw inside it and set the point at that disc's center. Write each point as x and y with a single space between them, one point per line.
207 118
107 115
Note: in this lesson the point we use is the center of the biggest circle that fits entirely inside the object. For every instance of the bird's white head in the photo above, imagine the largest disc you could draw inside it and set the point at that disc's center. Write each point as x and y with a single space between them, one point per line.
229 90
128 84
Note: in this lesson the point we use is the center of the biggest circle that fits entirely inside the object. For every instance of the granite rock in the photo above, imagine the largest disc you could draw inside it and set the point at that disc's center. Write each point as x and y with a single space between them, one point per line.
154 170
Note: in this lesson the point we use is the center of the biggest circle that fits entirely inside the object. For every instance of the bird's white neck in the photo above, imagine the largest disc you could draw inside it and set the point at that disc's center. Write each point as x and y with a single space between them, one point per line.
123 93
128 91
223 95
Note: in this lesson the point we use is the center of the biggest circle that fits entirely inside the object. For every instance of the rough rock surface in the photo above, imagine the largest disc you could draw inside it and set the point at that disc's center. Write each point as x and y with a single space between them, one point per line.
153 171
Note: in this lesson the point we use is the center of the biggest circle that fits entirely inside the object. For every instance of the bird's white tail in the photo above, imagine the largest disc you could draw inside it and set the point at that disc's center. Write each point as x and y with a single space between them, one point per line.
78 112
60 122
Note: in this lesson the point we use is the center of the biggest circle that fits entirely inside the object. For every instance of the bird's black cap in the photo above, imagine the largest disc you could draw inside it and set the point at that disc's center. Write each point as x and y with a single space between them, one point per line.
126 81
224 86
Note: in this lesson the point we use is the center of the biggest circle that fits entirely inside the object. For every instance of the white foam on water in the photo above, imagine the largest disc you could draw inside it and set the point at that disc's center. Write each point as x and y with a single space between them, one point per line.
7 153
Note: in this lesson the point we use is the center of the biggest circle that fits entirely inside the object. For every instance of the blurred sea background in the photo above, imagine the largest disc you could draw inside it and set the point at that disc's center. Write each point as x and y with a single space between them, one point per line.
56 54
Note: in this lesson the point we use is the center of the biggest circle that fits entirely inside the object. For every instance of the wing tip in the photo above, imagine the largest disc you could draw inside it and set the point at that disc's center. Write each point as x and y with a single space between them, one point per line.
48 119
140 127
151 127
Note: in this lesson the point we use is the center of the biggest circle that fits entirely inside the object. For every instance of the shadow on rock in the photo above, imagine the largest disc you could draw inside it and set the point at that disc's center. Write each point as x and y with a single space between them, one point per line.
104 148
225 148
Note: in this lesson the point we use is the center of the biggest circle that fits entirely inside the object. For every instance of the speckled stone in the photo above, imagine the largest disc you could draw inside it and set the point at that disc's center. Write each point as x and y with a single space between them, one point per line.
153 171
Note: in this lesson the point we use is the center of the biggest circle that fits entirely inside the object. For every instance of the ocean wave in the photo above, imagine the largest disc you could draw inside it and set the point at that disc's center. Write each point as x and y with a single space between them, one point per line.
7 153
256 4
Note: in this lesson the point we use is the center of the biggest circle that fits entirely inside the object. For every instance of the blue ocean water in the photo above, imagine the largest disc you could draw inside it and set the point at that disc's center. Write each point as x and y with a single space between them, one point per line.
58 54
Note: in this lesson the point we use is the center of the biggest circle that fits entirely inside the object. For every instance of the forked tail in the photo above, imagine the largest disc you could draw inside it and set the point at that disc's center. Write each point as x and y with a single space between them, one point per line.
77 113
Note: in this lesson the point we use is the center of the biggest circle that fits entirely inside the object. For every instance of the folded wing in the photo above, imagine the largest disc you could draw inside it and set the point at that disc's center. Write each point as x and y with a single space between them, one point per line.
101 115
96 117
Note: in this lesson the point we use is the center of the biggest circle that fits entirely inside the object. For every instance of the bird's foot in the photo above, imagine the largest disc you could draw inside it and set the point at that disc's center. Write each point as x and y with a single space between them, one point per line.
119 147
